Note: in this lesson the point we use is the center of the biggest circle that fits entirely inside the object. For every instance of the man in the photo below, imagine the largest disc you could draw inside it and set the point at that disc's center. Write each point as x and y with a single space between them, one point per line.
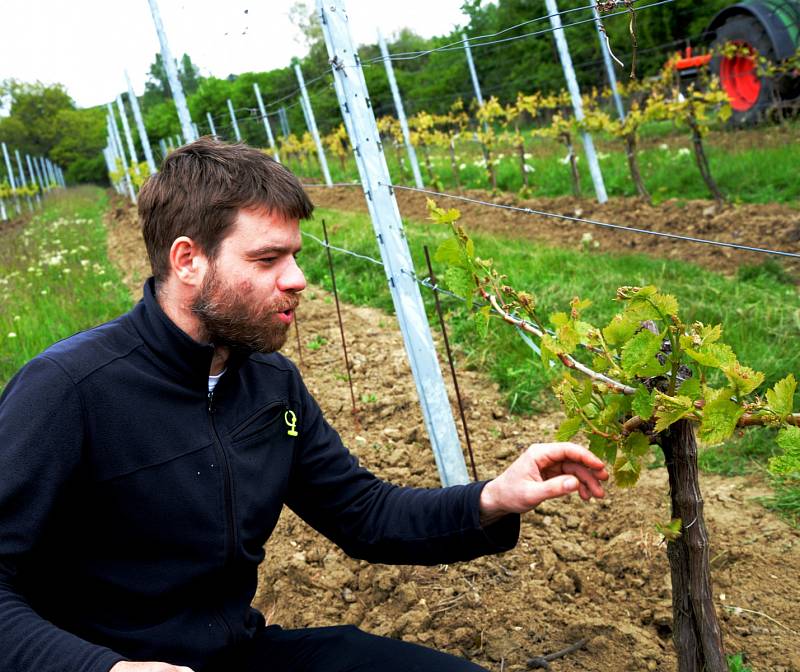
144 463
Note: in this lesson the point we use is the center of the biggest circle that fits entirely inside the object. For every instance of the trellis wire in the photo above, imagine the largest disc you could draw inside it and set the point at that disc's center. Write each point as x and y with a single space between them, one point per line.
398 57
594 222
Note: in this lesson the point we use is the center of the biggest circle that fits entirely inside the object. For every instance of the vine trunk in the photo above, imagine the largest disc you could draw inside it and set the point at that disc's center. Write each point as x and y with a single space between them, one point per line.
633 165
702 162
695 631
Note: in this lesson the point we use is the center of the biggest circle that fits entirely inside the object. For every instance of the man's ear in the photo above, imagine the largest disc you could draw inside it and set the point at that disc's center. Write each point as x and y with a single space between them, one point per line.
187 261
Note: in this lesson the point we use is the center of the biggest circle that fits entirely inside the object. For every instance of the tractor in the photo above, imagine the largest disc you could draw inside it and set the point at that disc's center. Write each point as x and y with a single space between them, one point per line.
769 29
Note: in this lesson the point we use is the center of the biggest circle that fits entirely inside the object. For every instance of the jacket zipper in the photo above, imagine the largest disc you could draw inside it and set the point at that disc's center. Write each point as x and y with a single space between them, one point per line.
227 484
236 431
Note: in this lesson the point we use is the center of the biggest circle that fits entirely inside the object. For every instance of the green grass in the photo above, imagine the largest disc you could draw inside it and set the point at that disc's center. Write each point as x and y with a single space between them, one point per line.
750 166
761 314
55 277
760 311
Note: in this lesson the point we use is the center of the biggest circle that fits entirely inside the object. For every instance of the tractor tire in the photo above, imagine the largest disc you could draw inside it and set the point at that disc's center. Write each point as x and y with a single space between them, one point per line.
751 96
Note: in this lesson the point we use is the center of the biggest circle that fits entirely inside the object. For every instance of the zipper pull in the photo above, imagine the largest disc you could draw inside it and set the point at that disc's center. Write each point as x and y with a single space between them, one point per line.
211 402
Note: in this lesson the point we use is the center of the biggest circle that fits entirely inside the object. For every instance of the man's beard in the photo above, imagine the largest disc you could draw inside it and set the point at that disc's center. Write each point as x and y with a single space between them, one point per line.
229 317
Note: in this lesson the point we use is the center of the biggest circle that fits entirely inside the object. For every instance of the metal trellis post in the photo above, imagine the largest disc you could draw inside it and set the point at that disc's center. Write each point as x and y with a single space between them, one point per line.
172 75
401 113
284 119
39 163
120 152
234 122
22 178
35 182
575 94
263 112
128 137
612 76
398 264
472 72
37 166
211 126
163 146
137 116
312 125
11 180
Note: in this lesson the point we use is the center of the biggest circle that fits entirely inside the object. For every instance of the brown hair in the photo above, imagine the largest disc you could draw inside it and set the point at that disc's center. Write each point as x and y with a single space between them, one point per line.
201 188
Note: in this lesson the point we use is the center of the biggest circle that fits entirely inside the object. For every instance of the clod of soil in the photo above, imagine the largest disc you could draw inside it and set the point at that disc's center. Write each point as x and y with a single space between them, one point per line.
593 571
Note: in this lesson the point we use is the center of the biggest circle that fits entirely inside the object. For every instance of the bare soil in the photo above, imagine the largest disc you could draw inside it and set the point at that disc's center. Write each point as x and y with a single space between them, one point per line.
580 571
774 226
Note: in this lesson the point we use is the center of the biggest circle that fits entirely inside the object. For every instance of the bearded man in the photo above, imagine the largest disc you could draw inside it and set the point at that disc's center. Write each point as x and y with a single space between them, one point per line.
144 463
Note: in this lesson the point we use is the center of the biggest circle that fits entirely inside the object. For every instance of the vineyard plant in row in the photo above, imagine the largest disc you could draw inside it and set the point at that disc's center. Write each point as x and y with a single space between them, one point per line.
646 378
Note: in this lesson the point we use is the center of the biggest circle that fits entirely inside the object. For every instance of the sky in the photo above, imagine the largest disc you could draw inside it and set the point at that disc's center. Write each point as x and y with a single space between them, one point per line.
86 45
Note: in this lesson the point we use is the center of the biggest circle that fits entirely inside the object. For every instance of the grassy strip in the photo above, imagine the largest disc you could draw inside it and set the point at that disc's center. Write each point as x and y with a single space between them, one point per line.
760 310
55 277
760 169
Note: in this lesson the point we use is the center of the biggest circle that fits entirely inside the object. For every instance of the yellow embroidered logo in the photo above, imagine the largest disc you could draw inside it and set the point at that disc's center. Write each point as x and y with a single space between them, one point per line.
291 422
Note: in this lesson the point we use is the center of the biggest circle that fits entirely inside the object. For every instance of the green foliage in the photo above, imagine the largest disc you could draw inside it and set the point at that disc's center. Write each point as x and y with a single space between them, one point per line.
647 355
55 277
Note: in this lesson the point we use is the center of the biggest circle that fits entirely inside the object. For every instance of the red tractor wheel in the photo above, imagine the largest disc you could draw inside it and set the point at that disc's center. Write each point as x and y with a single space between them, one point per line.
749 93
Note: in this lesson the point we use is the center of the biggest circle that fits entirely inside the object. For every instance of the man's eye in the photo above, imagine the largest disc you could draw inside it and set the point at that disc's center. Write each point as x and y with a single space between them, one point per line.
267 260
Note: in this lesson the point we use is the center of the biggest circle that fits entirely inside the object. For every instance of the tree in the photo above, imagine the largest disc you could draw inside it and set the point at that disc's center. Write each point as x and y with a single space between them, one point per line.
33 108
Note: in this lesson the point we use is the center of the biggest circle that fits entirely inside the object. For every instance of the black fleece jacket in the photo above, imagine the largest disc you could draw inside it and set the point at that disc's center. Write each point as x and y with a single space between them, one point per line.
134 508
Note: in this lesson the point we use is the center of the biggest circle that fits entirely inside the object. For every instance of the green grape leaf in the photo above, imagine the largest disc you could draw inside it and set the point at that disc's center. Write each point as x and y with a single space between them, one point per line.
460 281
743 379
671 409
480 318
604 449
666 304
637 444
671 531
644 403
600 363
620 329
690 388
789 438
551 345
639 355
559 319
451 253
713 354
565 391
781 397
568 337
626 471
569 428
719 419
787 464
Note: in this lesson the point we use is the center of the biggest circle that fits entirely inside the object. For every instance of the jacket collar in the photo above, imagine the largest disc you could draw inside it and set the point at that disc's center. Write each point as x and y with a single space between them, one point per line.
184 357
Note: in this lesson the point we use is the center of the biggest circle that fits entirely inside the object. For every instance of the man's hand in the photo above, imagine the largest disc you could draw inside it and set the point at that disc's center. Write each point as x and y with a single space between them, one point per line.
126 666
543 471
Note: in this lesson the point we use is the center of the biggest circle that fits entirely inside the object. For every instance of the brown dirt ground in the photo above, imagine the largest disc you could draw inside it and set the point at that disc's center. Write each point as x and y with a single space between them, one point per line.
772 226
594 571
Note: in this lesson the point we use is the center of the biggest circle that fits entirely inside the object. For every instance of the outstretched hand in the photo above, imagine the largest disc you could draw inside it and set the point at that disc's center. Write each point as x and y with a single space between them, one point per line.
543 471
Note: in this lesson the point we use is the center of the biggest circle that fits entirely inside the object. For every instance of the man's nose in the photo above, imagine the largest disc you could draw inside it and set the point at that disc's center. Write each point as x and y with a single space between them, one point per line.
292 279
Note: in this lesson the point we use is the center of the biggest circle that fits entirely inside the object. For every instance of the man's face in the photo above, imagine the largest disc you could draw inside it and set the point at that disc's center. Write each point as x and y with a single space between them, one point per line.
252 286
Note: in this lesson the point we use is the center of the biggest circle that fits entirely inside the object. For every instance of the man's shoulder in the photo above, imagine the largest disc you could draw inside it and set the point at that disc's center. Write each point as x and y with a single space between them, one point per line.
274 360
83 353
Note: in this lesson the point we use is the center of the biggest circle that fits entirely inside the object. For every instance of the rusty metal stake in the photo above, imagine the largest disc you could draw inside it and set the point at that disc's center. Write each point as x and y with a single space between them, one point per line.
339 314
452 366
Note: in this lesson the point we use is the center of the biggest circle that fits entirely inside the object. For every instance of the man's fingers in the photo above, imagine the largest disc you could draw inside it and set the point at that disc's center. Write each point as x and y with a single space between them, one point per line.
548 454
589 478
